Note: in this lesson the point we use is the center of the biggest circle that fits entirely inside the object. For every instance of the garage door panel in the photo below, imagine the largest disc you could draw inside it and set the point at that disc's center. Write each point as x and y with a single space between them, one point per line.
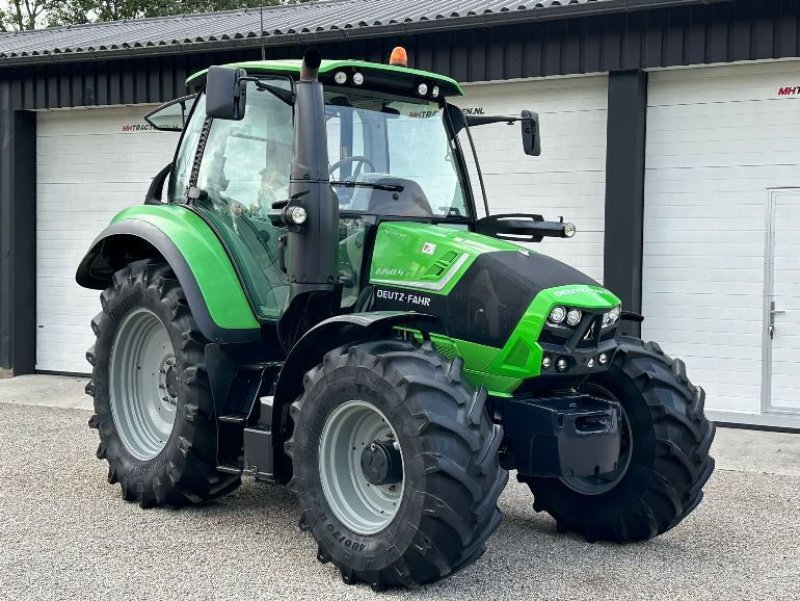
755 177
715 314
743 290
718 125
691 300
87 171
712 275
724 337
733 159
716 261
717 140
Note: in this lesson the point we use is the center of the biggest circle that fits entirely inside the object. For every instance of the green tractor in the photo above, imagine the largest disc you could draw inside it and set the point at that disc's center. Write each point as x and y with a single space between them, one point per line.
307 296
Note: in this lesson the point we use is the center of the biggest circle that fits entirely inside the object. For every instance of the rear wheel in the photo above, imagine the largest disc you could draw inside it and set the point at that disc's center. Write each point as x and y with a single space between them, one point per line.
395 464
664 461
153 406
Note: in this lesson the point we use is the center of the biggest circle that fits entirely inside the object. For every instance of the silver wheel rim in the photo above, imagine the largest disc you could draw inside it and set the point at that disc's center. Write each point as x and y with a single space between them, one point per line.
362 507
598 485
143 384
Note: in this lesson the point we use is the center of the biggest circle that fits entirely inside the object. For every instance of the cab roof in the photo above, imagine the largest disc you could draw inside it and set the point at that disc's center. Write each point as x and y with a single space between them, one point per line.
375 74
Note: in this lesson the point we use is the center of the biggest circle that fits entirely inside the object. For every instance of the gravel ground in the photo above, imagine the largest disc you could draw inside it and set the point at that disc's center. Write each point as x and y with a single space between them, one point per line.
66 534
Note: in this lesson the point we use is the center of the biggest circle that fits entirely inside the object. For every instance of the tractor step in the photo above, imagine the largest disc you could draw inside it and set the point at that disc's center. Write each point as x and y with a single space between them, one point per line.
238 419
229 469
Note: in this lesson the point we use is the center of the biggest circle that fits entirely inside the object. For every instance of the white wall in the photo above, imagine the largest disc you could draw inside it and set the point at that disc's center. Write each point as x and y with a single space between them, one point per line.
568 178
87 170
717 139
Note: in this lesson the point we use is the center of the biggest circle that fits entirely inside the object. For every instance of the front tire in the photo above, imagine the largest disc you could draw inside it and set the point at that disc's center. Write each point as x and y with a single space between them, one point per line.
435 516
152 400
666 461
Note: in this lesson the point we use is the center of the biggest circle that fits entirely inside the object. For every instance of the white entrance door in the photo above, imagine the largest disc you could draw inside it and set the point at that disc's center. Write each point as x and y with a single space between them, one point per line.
783 304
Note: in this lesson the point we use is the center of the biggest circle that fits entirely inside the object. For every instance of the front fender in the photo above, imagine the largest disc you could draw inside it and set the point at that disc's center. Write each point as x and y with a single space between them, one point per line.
201 265
309 351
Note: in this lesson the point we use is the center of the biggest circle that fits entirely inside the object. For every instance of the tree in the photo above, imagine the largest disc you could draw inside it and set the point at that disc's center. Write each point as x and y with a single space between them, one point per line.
22 15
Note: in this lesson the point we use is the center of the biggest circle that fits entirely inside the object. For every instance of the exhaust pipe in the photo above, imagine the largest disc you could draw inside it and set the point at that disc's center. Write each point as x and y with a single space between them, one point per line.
312 241
309 70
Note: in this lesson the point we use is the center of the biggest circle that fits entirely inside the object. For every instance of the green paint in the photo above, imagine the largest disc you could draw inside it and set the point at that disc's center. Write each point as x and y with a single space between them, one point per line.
427 257
448 86
207 259
503 370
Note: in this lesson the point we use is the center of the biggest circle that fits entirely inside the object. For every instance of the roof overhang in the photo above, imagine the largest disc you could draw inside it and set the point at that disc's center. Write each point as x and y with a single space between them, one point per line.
552 12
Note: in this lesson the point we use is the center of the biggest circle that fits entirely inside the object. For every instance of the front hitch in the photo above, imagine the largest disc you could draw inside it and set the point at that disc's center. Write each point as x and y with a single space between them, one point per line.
567 435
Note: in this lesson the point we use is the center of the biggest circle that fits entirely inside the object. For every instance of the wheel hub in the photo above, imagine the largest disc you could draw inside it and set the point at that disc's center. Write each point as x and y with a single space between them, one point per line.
361 467
381 463
168 382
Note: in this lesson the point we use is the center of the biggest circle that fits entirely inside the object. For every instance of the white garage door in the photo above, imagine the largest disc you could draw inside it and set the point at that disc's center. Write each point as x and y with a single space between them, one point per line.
568 178
719 141
90 164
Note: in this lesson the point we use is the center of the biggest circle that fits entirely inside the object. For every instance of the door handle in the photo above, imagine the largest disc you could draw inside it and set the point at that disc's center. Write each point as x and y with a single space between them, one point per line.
772 313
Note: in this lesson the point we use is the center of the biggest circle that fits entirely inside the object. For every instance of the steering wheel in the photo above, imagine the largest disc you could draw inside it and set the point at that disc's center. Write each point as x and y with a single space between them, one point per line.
361 160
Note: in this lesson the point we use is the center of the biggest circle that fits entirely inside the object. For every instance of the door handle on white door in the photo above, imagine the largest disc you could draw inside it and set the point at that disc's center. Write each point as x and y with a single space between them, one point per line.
772 313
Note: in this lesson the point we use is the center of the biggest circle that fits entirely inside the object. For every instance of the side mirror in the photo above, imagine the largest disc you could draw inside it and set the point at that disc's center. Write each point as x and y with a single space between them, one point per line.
225 93
531 140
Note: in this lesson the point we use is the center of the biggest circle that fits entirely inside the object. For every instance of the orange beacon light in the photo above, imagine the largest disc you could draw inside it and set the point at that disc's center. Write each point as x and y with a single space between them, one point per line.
399 57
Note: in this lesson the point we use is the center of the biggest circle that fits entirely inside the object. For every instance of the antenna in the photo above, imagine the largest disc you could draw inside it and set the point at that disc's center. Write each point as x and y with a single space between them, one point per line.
263 48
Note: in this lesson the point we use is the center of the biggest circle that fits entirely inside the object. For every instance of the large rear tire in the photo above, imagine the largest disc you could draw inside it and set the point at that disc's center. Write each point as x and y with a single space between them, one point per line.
665 461
436 514
152 401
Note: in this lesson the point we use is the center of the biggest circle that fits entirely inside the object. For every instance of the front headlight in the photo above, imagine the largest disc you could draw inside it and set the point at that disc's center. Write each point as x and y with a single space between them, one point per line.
558 314
610 318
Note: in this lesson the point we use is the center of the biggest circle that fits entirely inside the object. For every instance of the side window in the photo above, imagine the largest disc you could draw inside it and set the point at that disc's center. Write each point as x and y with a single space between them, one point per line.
183 165
245 168
247 162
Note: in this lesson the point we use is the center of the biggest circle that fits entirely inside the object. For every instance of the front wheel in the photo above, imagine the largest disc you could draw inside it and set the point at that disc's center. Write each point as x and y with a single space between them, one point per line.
395 464
152 399
664 460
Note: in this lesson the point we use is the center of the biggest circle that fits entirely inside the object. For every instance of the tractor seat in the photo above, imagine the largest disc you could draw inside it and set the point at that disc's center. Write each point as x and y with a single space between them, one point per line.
411 202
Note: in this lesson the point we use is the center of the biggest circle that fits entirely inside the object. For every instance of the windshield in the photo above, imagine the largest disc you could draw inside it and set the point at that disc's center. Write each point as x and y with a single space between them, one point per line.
392 157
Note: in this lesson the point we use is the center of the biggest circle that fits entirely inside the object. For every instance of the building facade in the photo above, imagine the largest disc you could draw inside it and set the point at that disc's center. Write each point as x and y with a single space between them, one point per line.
668 138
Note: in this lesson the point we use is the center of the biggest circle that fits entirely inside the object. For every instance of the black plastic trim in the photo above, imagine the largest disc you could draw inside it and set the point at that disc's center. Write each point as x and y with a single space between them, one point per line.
625 173
156 190
99 264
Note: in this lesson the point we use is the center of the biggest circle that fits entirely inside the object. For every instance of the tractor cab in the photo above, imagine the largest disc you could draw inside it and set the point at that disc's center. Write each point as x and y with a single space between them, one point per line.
394 149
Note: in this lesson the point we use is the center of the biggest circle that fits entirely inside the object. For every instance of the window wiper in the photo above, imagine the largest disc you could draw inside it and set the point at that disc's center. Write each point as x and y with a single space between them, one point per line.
374 185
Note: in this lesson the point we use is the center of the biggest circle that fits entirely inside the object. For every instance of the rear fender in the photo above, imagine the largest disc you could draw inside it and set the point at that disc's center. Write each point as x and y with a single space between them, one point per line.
311 348
198 259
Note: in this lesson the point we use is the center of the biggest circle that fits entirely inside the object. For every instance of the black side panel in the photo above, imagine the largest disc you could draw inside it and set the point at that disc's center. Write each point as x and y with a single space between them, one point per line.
625 164
488 302
490 298
17 237
121 243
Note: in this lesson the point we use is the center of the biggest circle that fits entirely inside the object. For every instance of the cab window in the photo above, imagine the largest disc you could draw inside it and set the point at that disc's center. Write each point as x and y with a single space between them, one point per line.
244 169
179 178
